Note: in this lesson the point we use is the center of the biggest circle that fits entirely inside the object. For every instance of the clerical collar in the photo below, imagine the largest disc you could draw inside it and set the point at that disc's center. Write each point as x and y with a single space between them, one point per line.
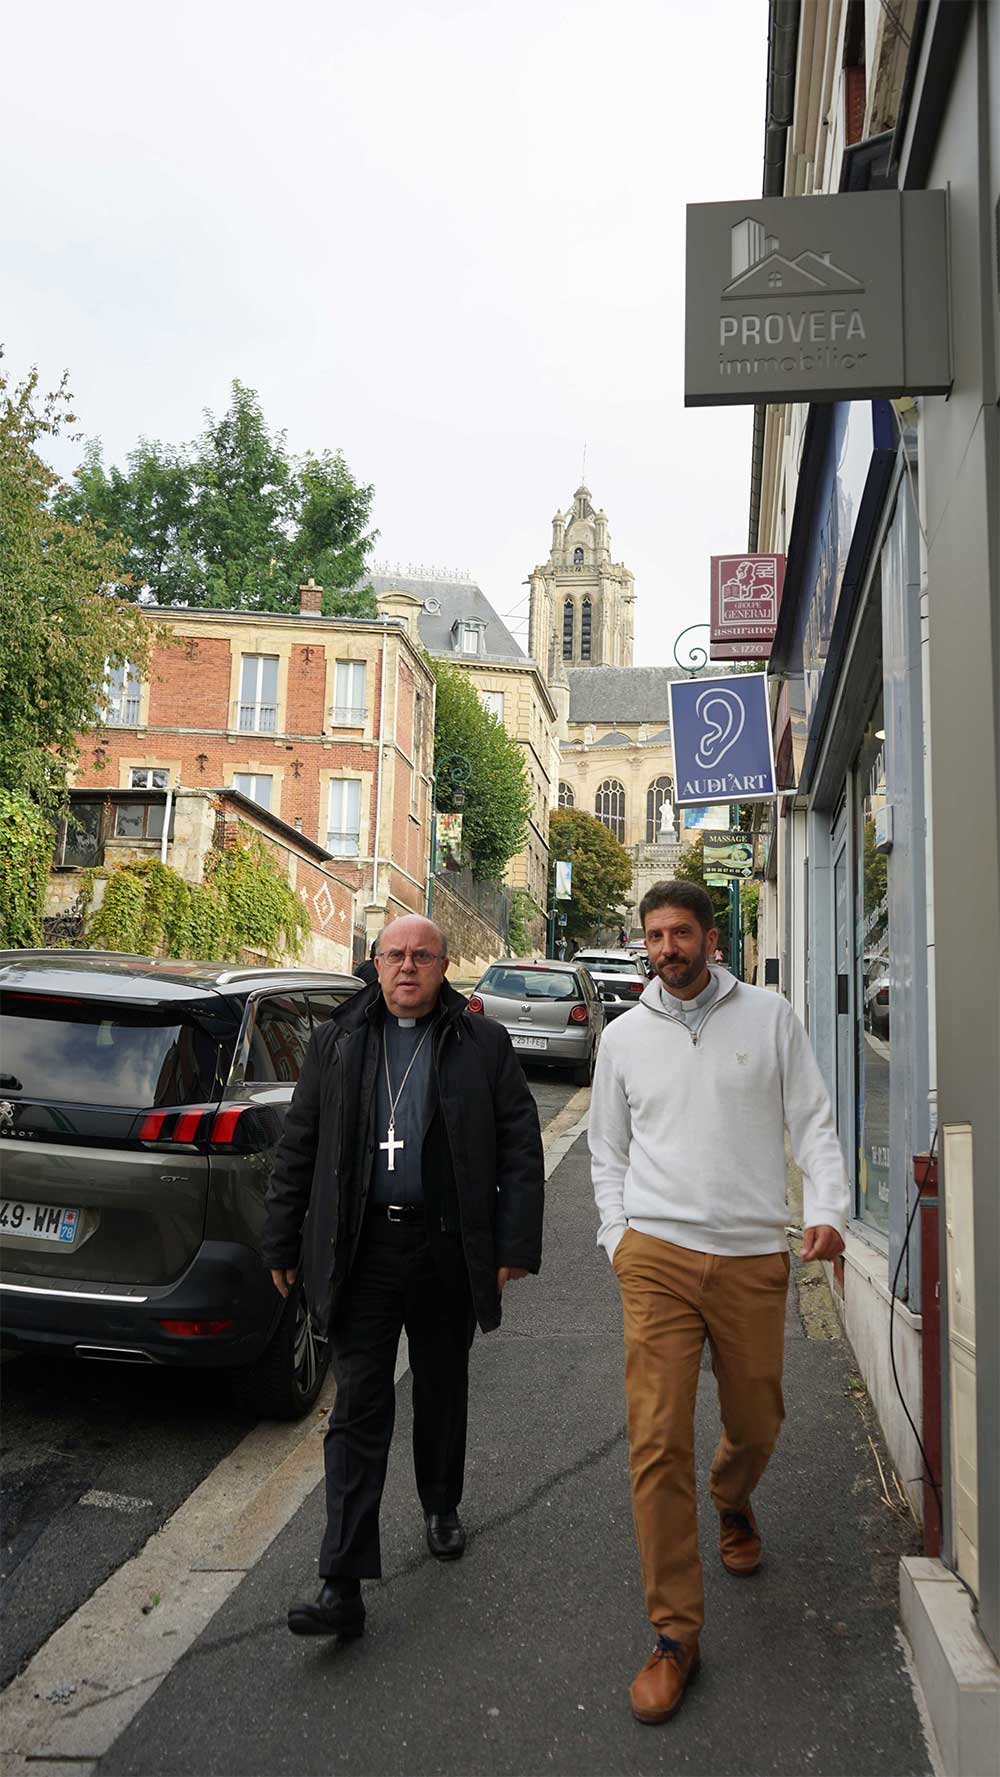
411 1023
673 1001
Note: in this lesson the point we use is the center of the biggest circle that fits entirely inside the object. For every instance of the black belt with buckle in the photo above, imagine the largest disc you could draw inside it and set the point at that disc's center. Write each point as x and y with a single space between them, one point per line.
410 1214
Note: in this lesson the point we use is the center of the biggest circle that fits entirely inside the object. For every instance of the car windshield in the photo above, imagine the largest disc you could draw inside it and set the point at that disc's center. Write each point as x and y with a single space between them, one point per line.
92 1052
609 965
530 984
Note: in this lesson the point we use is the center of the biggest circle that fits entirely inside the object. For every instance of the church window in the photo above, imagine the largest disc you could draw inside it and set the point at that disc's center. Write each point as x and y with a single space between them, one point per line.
585 616
568 629
578 557
609 807
566 796
660 791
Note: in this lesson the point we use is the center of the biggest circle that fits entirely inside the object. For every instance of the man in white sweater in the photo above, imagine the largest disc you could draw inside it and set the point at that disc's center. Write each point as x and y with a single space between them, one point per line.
690 1102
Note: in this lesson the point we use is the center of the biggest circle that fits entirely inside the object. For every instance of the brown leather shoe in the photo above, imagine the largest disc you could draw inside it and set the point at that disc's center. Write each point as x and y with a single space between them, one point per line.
739 1542
657 1692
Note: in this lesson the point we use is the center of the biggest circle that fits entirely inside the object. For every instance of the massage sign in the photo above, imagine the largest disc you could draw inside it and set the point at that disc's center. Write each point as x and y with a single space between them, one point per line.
817 298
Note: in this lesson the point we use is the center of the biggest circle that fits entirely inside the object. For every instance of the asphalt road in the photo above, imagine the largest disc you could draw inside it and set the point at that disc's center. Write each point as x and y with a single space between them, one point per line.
140 1440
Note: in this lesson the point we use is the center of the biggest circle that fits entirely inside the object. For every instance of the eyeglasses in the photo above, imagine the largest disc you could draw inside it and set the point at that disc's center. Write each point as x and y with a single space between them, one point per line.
421 959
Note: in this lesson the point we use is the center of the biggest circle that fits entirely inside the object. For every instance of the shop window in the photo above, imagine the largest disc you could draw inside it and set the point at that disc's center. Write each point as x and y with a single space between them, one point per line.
873 984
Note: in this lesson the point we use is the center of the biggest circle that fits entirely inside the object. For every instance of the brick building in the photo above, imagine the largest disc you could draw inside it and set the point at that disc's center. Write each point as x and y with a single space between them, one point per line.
326 723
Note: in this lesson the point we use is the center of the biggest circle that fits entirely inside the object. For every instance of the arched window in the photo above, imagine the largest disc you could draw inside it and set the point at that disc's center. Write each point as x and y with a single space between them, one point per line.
609 807
661 790
578 557
585 613
568 629
566 796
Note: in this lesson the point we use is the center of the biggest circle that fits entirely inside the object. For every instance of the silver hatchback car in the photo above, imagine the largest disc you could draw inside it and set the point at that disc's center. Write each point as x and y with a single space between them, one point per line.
619 976
552 1010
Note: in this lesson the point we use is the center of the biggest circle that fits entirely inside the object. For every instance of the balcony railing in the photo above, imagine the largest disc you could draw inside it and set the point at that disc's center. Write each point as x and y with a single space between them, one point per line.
347 715
343 845
124 714
257 718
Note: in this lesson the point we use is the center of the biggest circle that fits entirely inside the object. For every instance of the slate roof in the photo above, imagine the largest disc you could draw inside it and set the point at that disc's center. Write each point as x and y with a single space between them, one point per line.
456 599
614 739
620 693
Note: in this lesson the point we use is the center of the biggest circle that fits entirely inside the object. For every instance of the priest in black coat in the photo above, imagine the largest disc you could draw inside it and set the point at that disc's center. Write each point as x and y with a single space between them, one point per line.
407 1191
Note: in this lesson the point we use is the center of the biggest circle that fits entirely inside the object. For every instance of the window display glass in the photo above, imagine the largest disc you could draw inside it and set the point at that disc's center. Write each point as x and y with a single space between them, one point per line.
873 965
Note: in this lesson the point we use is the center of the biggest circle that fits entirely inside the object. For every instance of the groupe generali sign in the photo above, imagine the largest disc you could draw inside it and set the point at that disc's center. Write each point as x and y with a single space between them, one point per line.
817 298
746 594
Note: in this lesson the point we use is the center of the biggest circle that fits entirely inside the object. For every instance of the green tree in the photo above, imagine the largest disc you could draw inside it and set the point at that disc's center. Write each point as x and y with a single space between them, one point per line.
474 753
61 623
602 871
231 520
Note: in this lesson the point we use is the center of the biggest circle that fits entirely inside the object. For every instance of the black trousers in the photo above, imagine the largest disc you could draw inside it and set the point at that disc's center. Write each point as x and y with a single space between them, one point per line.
402 1277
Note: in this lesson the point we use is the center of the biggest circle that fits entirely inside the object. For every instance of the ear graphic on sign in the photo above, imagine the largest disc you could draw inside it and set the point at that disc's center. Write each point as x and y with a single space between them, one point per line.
723 715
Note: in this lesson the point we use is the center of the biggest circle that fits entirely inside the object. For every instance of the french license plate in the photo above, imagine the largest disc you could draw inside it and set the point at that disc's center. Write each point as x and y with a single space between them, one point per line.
39 1221
520 1042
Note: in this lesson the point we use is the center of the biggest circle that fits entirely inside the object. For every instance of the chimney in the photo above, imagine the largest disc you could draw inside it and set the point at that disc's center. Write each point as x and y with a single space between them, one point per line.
310 599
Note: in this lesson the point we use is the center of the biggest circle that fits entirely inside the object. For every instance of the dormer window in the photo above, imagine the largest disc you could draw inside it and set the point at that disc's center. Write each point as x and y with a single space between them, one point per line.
467 636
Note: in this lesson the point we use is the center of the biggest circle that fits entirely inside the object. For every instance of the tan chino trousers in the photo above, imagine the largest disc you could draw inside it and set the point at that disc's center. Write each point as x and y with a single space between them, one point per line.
673 1299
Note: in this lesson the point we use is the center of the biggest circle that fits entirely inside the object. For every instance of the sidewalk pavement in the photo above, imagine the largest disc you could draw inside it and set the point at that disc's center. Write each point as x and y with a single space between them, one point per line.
517 1659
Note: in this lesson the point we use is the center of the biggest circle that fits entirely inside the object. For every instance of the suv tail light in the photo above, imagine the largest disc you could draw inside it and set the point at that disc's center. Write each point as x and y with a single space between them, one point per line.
578 1015
475 1003
231 1126
635 987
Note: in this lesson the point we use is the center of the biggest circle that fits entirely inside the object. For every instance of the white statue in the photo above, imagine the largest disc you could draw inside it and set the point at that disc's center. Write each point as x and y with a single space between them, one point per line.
668 828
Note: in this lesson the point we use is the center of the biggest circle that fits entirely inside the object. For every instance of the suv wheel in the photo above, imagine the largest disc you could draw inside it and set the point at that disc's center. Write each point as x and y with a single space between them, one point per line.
287 1377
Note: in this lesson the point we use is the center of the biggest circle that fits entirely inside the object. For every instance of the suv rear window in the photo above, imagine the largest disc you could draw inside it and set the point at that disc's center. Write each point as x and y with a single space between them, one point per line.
608 965
530 984
94 1052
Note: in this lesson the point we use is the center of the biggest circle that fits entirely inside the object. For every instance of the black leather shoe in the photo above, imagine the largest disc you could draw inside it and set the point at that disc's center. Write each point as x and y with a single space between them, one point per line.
445 1536
339 1610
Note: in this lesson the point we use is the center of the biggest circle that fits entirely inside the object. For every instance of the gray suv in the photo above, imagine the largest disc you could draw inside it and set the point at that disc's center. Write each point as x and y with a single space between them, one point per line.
140 1104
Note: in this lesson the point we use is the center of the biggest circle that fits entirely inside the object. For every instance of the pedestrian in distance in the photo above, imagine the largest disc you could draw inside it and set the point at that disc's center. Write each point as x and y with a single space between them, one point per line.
622 937
407 1191
690 1102
366 971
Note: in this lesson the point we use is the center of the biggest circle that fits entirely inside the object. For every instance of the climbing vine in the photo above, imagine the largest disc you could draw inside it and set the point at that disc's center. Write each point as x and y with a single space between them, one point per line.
245 903
26 842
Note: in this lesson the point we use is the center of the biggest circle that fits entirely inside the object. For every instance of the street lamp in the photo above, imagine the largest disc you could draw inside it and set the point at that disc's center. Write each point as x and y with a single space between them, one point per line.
452 771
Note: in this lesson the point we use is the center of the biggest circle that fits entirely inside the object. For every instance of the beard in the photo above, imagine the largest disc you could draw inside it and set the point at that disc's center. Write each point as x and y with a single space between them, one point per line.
680 972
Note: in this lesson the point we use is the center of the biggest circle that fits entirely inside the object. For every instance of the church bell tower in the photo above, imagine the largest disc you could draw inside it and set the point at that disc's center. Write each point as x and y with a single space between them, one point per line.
581 601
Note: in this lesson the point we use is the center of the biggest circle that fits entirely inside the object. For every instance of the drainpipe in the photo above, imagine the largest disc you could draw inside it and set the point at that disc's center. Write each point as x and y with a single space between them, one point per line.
378 777
168 809
782 48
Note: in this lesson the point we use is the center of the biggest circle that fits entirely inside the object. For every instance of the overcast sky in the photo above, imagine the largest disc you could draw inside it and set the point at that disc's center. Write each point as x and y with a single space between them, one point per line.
447 239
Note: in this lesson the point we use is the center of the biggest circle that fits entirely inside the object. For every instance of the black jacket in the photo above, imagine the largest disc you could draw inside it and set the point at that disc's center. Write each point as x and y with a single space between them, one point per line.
491 1152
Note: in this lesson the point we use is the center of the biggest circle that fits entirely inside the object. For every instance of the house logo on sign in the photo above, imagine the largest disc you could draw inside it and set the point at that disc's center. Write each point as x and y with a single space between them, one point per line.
759 268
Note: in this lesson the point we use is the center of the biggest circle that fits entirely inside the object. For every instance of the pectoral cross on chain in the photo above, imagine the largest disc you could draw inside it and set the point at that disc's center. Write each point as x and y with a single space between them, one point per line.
391 1145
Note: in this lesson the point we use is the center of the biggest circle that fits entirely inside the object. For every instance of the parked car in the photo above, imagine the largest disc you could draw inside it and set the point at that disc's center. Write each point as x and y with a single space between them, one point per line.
618 975
552 1010
637 947
140 1104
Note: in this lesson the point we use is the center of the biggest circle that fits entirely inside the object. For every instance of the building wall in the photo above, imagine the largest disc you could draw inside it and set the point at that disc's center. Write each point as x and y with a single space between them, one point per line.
189 723
585 767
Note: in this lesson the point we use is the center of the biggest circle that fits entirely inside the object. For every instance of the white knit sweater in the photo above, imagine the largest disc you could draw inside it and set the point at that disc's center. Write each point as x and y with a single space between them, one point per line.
687 1131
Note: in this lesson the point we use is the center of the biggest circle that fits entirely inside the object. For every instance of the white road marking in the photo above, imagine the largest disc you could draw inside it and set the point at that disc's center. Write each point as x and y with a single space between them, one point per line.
113 1502
119 1646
